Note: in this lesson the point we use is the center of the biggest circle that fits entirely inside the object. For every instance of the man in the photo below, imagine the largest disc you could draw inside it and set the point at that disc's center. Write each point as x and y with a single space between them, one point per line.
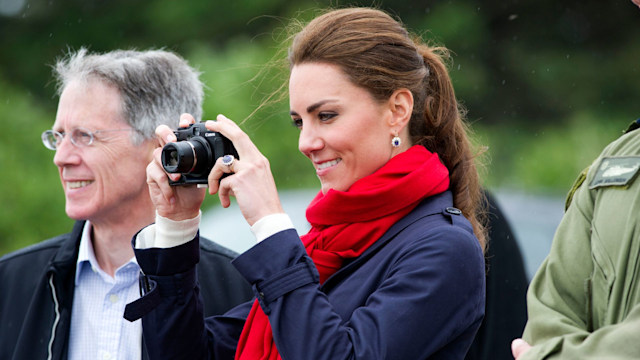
584 301
65 297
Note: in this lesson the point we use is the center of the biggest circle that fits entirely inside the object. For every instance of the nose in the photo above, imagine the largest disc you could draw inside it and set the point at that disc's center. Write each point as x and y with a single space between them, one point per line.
66 153
310 140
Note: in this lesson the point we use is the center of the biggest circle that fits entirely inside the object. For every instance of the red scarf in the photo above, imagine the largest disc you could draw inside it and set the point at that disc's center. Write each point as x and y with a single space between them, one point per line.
345 224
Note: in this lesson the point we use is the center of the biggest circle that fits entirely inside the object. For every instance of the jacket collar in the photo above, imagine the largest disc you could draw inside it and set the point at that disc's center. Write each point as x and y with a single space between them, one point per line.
429 206
67 255
63 264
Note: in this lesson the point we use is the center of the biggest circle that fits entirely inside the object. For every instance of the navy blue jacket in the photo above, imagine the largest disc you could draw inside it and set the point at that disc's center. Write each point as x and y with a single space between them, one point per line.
417 293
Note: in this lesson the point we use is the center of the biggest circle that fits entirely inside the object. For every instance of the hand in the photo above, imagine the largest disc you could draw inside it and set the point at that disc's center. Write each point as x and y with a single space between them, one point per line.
637 2
173 202
519 347
251 181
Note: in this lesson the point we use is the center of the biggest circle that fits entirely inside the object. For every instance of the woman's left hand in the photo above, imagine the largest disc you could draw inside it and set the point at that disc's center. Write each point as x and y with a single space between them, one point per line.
251 182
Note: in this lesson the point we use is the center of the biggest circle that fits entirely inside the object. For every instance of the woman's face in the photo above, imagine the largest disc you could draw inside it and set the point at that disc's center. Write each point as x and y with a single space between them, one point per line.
343 131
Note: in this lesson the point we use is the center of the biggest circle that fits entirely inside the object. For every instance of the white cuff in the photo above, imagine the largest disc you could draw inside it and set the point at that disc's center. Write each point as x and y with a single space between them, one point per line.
166 233
270 225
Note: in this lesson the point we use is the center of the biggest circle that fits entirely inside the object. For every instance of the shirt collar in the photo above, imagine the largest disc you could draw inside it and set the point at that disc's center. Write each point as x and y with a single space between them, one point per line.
87 254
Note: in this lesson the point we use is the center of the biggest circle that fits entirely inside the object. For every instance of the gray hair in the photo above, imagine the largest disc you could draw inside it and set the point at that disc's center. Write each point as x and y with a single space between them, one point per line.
156 86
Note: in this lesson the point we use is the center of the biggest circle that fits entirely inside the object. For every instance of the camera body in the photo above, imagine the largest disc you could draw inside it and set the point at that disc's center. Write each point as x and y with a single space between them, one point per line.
194 153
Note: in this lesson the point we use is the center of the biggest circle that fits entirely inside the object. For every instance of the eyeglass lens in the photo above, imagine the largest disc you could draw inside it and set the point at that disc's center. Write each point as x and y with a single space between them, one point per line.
79 137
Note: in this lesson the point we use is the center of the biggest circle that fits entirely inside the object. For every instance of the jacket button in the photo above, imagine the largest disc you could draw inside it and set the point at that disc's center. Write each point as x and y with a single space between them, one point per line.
453 211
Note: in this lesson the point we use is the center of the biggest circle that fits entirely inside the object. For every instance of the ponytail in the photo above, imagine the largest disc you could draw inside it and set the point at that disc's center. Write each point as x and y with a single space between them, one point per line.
438 124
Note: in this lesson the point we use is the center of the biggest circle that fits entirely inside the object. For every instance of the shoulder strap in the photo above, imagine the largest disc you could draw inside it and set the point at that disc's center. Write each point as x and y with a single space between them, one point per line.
576 185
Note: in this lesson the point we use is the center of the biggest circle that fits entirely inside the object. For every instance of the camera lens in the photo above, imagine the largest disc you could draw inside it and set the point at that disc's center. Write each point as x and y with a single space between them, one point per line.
172 158
186 156
178 157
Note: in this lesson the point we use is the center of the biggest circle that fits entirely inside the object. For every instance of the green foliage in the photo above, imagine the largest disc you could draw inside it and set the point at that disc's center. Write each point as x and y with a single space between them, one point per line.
32 201
545 158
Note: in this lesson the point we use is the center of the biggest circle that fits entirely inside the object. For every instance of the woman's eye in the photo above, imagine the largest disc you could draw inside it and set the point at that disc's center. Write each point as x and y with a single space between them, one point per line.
326 116
297 123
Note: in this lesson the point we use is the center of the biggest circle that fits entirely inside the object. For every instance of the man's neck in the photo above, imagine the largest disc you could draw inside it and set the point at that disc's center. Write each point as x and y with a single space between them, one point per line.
112 240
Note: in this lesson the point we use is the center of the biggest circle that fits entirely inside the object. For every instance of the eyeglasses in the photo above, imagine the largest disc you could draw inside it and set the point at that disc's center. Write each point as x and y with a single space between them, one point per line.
80 137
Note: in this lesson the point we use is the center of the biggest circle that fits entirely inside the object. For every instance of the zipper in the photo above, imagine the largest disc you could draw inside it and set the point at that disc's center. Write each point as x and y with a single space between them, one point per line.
57 319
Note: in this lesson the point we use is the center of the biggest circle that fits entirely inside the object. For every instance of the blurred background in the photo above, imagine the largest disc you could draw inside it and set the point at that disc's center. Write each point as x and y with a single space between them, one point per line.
546 84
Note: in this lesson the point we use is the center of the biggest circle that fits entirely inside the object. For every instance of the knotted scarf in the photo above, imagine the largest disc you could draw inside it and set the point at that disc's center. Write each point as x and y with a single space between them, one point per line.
345 224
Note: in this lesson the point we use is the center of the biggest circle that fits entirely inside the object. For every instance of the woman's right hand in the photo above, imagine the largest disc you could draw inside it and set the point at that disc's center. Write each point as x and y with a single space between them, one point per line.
172 202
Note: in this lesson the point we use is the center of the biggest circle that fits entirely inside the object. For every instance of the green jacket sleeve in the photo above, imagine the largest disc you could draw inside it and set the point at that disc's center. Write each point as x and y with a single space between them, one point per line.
617 341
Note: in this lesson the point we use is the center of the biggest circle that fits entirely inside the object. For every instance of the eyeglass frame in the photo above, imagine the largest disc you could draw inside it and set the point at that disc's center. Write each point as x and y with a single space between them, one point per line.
59 136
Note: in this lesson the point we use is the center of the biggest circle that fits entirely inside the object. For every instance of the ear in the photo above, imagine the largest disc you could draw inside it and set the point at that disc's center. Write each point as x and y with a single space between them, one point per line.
401 106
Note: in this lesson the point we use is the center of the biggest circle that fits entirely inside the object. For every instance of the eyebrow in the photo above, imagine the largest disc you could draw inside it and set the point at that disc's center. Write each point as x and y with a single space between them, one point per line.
311 108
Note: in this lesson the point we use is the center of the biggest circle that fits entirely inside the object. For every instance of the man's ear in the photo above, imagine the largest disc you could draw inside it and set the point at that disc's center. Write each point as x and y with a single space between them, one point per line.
401 106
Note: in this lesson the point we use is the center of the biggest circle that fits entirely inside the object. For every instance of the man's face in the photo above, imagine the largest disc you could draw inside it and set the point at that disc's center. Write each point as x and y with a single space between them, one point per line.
106 180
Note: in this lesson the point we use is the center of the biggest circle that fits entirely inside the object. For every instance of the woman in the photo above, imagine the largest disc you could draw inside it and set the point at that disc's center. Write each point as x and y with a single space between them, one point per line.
390 269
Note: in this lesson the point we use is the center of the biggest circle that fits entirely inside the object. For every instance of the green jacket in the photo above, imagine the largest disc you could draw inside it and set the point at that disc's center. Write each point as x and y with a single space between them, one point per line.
584 301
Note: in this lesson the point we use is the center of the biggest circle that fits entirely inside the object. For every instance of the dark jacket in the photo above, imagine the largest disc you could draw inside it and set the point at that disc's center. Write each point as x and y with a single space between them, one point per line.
506 307
417 293
37 285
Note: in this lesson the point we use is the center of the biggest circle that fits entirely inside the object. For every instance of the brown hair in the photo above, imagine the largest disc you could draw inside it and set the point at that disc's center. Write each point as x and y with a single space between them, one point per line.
378 54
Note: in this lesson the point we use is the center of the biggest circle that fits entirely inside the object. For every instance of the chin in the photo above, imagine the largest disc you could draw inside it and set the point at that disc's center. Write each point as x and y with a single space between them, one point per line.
337 187
77 214
325 188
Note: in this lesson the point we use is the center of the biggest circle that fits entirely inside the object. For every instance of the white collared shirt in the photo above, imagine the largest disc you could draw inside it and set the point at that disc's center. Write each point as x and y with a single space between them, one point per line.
98 329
